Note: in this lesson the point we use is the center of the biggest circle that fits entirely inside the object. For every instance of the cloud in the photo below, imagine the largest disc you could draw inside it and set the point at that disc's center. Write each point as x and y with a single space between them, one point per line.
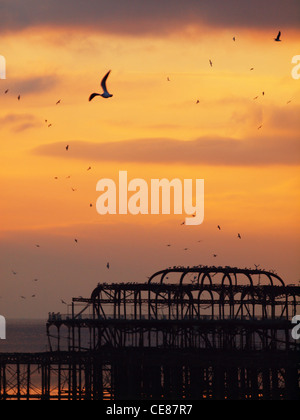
32 85
19 122
148 16
258 151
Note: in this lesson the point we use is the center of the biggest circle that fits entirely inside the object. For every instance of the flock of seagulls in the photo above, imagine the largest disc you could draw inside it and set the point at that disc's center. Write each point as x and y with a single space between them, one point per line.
105 94
239 236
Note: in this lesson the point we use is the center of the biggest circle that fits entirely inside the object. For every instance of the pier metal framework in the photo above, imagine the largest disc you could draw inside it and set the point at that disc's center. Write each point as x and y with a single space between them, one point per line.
192 333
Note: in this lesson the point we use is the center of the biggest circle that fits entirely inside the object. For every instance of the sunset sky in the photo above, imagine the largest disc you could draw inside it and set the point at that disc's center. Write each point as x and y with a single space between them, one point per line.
152 128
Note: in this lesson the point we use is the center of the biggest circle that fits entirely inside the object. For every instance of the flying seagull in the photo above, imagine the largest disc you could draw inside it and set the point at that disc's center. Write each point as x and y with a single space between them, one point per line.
210 62
105 93
67 148
239 236
108 266
58 102
278 37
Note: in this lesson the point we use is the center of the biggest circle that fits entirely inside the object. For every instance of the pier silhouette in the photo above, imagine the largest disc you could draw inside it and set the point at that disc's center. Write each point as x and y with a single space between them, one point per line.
188 333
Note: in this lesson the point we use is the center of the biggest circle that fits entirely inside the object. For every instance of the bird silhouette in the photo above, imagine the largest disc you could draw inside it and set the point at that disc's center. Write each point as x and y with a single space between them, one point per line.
67 148
210 62
19 97
58 102
108 266
277 39
105 93
239 236
219 227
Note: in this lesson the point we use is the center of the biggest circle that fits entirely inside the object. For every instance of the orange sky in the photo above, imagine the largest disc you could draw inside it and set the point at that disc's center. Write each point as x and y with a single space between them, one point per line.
253 191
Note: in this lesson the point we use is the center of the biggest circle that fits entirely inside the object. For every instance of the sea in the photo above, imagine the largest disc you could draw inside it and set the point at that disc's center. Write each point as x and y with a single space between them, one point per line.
25 336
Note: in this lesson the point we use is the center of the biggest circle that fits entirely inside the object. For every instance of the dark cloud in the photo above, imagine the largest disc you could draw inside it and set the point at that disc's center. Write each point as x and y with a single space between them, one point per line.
260 151
148 16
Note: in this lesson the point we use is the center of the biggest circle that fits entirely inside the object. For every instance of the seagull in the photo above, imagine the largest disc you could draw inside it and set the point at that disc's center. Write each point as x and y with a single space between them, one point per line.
89 168
91 205
58 102
76 240
210 62
259 127
6 92
38 246
256 97
198 102
252 68
168 79
14 273
234 38
63 302
219 227
105 93
108 266
168 245
22 297
278 37
239 236
19 97
215 255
